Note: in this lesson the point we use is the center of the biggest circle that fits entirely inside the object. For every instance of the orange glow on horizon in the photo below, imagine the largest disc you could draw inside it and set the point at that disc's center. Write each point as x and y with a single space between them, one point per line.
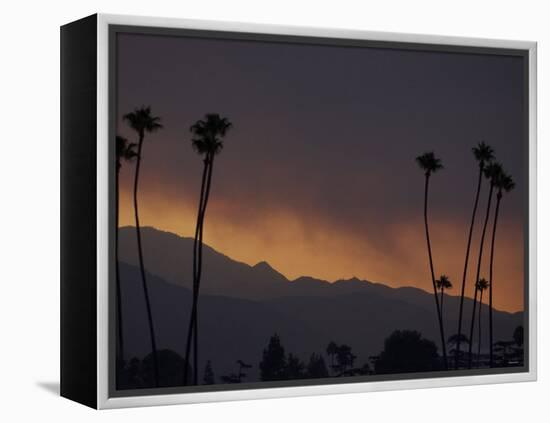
298 246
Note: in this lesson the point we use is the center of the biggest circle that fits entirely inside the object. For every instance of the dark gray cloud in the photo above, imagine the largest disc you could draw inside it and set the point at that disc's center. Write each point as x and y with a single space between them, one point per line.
323 131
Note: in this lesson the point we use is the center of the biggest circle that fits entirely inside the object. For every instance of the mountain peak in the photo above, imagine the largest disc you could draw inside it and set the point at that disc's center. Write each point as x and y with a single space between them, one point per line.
263 265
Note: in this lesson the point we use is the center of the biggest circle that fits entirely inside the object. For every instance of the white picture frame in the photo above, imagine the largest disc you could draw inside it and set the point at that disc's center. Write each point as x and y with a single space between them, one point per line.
104 400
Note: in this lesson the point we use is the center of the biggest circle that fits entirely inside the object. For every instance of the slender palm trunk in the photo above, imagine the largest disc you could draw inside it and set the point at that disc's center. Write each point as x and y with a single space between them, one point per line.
120 337
199 272
479 328
480 257
464 274
441 301
195 258
142 266
491 358
441 332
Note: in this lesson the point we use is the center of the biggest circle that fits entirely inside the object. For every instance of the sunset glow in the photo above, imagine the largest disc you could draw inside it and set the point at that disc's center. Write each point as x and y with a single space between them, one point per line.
309 246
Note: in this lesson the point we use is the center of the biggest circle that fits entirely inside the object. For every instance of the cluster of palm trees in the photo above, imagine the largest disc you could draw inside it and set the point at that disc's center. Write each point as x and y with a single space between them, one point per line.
500 182
207 140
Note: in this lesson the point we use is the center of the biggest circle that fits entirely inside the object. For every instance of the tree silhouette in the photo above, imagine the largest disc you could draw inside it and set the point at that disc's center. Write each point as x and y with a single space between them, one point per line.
142 121
344 359
406 351
295 369
518 336
208 378
481 285
170 369
442 284
492 172
364 370
483 154
452 342
504 183
138 374
331 352
504 348
430 164
131 375
373 359
207 141
125 151
273 365
316 367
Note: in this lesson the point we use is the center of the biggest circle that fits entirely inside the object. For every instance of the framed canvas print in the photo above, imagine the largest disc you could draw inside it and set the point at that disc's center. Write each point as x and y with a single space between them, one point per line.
254 211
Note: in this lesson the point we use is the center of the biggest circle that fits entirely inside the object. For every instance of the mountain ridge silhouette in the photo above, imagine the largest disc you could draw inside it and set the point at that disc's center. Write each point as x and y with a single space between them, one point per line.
169 256
239 329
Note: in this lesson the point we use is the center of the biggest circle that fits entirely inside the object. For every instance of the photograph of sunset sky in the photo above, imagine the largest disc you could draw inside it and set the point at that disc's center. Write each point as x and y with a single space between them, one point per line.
295 212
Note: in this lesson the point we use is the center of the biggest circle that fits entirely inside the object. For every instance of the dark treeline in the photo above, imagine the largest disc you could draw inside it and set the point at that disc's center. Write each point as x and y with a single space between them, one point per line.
405 351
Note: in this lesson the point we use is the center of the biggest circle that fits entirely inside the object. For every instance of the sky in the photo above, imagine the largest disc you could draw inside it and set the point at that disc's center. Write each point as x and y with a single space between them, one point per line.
317 175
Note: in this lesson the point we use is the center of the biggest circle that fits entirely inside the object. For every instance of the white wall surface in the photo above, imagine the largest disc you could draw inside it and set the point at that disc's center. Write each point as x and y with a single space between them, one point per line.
29 210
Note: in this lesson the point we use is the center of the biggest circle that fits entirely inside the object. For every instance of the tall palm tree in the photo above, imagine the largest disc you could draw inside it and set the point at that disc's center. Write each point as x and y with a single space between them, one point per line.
442 284
505 183
492 172
481 286
430 164
483 154
207 141
142 121
124 151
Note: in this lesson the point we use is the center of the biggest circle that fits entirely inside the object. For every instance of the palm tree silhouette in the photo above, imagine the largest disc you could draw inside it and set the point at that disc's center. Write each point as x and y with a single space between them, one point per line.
492 172
481 286
141 121
430 164
504 183
124 151
483 154
442 284
207 141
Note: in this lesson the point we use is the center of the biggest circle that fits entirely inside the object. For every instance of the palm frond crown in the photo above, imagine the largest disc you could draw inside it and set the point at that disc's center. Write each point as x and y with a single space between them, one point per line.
505 183
208 134
482 284
483 153
443 282
125 150
493 172
429 163
141 120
